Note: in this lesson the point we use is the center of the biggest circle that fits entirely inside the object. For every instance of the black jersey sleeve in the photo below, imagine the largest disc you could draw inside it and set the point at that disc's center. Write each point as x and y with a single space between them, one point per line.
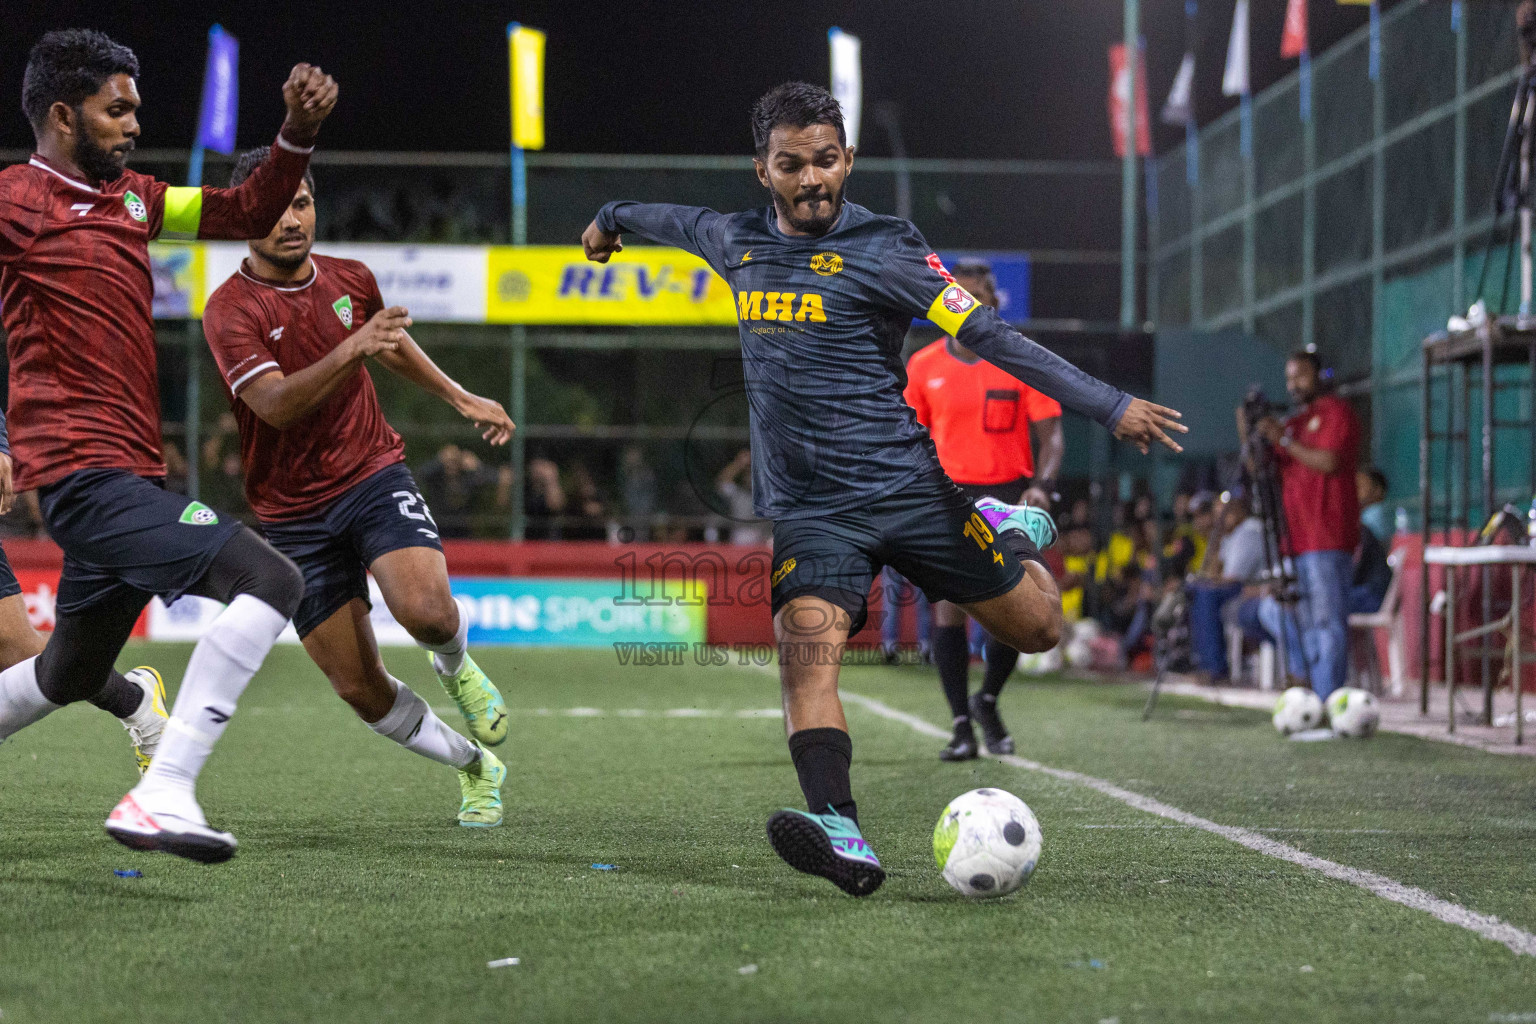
696 229
914 282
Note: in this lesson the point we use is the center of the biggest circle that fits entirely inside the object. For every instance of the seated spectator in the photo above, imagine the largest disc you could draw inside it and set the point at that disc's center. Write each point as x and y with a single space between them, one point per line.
544 500
1217 590
1371 486
734 485
221 482
1078 561
453 485
585 513
637 485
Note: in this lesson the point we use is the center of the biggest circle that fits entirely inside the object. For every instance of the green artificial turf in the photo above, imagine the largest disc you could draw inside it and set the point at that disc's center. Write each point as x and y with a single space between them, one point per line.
355 897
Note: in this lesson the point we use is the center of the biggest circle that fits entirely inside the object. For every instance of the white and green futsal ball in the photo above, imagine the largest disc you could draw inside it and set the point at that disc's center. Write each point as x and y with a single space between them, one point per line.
1298 709
986 842
1353 713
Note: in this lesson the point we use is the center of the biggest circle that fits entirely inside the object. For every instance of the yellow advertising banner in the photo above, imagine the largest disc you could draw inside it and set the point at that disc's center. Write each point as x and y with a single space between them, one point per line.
556 284
179 270
525 54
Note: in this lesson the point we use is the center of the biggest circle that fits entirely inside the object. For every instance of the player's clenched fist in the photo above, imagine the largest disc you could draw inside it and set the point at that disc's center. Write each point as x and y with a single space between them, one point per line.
600 244
384 333
310 95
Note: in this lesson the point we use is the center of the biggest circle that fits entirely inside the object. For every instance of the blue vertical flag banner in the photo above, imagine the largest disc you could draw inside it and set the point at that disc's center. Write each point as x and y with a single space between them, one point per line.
221 92
847 79
1304 86
1375 41
1455 15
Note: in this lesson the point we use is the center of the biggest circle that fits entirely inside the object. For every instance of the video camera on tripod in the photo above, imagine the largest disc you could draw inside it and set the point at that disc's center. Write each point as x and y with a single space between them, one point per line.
1264 475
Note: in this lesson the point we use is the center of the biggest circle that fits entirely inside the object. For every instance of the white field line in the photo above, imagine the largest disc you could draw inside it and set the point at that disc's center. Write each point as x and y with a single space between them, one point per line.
1517 941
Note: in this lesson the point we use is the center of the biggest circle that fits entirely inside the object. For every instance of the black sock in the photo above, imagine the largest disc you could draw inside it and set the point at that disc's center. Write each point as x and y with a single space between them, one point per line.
119 697
1001 660
952 657
1023 548
821 758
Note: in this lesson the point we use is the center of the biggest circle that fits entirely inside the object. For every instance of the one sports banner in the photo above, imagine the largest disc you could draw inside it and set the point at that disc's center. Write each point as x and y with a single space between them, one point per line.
525 52
221 92
847 80
1119 101
500 611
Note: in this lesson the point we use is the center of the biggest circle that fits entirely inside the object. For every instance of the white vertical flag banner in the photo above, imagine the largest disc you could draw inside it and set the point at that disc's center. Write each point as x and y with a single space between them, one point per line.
1234 82
847 80
1180 106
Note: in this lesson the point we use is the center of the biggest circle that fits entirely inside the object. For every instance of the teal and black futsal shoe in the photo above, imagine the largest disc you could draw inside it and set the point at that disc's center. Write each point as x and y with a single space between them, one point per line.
1036 523
828 845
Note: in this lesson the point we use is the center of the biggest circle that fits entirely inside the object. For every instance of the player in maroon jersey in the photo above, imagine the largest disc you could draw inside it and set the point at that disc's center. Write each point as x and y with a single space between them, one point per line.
85 415
326 476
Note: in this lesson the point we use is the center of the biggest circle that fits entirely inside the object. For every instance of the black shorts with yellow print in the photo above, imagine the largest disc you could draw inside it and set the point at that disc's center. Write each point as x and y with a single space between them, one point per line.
930 532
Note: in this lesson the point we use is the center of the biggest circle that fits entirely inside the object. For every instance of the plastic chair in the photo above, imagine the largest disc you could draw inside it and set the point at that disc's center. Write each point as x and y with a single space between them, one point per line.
1362 634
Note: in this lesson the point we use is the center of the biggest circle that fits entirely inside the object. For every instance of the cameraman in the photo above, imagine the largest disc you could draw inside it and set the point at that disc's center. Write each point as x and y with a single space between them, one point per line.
1315 452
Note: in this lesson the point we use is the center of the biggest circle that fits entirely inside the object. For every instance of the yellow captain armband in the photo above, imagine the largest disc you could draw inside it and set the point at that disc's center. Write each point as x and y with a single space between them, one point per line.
183 212
950 310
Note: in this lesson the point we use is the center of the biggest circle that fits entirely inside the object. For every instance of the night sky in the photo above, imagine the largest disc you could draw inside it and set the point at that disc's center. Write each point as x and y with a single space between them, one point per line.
1022 79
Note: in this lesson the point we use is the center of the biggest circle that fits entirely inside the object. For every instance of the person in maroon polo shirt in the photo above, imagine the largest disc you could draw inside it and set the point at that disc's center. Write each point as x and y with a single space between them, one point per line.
1316 451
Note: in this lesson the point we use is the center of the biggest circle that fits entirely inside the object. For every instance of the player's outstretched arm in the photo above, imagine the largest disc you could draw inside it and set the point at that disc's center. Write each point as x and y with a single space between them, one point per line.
251 209
913 280
283 400
693 228
407 360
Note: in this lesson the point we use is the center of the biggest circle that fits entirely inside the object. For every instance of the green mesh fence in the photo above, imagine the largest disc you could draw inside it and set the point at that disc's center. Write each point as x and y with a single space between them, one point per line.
1299 247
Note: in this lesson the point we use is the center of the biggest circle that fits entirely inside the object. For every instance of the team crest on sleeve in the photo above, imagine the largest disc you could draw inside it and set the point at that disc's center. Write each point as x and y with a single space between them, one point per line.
343 308
956 299
826 263
136 208
938 266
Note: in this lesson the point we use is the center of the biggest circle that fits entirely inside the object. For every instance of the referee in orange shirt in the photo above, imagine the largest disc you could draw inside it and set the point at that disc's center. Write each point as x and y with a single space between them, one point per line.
982 420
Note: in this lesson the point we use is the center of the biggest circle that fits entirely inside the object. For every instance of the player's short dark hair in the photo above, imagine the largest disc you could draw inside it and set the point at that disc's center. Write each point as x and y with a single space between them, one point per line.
1303 355
254 158
976 269
794 105
1378 478
69 65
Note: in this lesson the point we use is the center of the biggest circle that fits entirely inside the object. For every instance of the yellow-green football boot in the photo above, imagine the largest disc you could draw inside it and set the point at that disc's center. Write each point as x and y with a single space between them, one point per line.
478 701
480 784
146 725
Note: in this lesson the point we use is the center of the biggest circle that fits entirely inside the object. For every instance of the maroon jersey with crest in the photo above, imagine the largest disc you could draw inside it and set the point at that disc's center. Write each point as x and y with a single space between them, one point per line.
256 327
77 296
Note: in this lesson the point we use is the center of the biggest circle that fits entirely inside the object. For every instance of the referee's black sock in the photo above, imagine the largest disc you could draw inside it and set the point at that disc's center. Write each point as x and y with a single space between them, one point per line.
1001 660
822 758
952 657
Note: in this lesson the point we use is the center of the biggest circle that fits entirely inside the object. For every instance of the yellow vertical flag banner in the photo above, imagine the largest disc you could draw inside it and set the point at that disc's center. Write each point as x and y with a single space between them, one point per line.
526 52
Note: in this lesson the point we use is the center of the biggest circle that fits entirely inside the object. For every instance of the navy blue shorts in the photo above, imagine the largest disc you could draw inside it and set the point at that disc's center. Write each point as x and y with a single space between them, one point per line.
8 585
123 533
930 532
383 513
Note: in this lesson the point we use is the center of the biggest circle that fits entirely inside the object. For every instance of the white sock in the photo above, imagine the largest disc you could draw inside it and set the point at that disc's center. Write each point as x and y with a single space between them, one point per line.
21 702
412 724
448 658
222 663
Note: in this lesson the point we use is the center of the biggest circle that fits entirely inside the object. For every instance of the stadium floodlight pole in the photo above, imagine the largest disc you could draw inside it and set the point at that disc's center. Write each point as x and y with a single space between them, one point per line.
216 127
1128 170
525 65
